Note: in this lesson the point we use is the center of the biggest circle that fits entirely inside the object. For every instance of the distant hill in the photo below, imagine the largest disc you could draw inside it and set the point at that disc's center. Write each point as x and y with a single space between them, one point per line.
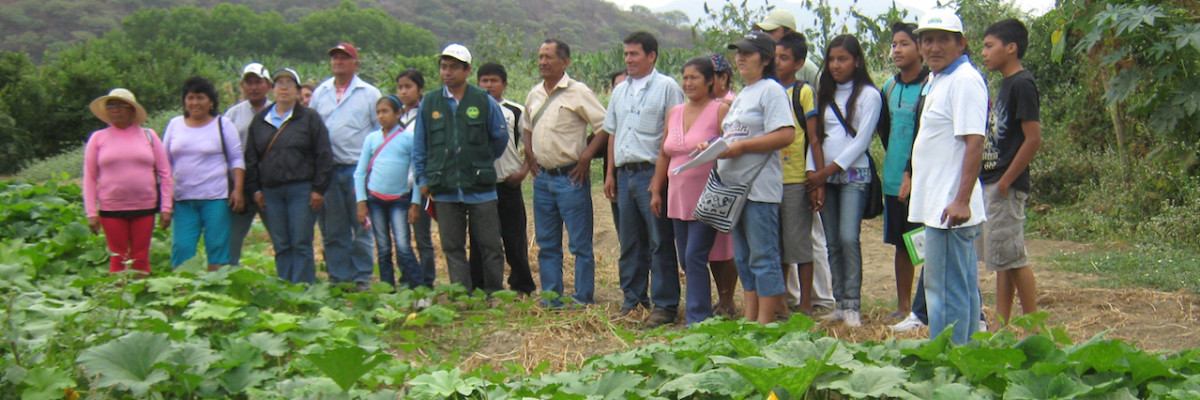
35 26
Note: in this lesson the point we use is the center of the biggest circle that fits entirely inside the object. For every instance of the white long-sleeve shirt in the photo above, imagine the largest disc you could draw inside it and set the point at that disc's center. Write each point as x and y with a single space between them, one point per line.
849 151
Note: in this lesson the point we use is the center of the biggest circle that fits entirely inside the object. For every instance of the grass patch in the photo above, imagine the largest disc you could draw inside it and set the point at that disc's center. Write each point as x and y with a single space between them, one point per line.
1152 266
64 166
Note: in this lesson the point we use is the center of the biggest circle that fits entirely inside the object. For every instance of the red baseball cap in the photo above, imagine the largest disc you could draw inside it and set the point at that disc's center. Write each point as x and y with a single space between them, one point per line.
345 48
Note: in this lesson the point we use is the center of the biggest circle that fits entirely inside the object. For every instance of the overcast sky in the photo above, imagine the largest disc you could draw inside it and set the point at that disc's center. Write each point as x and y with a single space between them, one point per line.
1036 6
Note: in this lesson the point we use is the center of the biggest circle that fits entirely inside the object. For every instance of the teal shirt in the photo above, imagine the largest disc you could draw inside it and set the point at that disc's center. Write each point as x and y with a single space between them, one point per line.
902 104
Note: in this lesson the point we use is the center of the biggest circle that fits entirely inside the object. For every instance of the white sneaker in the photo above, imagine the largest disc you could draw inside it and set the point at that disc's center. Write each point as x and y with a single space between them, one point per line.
851 318
983 325
836 315
909 323
423 303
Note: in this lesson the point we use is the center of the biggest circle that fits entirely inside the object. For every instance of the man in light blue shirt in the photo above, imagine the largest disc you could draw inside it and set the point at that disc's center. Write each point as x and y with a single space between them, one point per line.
347 105
635 119
459 133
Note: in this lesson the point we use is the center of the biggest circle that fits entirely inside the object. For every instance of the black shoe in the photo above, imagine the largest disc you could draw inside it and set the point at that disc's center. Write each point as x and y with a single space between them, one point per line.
362 286
659 318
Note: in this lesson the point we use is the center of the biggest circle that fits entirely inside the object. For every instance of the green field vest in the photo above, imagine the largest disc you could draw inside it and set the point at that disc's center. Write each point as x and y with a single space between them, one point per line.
458 149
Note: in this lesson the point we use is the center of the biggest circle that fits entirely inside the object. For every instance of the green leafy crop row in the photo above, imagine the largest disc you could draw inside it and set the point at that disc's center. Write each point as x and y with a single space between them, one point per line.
68 329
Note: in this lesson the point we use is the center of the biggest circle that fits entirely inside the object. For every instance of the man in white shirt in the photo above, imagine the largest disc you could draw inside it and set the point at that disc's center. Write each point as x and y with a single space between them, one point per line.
946 195
255 84
347 105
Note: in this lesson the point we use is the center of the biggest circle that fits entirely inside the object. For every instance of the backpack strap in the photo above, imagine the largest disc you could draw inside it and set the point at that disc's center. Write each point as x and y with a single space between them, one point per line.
798 110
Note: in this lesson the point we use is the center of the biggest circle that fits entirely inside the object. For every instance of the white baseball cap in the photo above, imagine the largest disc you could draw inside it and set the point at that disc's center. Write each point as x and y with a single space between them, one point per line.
940 19
457 52
257 70
288 72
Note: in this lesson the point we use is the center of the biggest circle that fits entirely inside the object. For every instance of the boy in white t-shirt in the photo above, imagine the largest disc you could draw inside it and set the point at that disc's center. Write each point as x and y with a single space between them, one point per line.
946 194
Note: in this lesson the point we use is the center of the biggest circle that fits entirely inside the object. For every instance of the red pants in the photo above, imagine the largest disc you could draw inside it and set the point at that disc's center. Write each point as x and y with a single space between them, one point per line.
128 238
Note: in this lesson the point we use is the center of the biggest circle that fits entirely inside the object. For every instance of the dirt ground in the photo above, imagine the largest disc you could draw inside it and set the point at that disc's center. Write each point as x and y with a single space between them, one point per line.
1153 320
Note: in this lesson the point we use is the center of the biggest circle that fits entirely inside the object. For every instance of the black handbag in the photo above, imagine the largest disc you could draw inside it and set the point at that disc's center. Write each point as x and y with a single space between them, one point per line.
874 205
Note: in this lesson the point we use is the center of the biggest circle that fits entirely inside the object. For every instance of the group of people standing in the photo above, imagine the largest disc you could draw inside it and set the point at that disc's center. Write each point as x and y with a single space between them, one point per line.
363 165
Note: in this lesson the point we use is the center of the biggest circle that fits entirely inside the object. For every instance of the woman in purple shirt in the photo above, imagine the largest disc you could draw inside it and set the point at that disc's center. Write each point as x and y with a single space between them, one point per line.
206 158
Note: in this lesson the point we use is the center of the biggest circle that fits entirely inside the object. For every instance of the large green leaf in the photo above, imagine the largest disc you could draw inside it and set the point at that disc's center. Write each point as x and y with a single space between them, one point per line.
1099 355
612 385
200 310
870 381
442 384
978 363
243 377
719 382
45 384
130 361
1025 385
345 365
273 345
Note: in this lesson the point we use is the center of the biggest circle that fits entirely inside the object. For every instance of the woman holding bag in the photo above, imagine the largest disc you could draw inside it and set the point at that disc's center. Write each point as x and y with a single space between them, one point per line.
206 161
758 125
849 108
126 177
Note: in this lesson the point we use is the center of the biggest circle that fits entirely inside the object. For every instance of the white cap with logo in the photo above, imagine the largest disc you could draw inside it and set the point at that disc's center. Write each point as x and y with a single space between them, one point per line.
940 19
256 69
457 52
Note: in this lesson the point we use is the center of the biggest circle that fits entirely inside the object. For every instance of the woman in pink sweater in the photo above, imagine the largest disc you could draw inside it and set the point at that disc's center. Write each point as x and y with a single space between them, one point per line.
126 176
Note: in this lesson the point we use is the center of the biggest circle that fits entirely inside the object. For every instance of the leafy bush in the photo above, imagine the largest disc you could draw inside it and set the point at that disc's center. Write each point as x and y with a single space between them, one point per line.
66 165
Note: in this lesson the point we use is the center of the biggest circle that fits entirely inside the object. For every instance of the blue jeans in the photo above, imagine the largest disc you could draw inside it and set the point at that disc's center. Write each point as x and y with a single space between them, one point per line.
842 219
291 222
694 240
389 221
193 216
421 232
756 249
918 302
347 243
240 227
647 246
952 281
557 203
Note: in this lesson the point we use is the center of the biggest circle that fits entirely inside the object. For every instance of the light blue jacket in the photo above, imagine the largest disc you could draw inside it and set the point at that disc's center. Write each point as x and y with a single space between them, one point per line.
392 172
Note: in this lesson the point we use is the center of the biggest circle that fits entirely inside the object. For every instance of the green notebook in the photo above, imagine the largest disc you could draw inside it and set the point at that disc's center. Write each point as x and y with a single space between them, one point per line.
914 241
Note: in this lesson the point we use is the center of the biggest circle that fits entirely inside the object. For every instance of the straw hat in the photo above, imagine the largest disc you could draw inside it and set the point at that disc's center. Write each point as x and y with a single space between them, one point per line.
121 94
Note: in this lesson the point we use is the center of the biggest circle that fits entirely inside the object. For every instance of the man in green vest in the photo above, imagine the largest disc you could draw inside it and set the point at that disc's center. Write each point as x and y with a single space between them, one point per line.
459 133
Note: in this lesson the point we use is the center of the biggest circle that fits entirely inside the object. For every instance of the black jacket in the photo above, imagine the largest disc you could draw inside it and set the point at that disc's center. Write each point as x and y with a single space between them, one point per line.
301 153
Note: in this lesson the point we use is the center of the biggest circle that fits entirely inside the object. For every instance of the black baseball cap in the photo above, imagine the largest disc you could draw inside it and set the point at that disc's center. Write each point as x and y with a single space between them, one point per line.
756 42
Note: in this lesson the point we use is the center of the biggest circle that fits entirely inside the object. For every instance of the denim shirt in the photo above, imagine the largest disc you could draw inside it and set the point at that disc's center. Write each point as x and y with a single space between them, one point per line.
636 119
349 121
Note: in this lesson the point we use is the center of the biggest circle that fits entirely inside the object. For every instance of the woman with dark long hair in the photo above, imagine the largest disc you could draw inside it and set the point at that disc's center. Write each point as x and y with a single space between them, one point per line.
848 106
